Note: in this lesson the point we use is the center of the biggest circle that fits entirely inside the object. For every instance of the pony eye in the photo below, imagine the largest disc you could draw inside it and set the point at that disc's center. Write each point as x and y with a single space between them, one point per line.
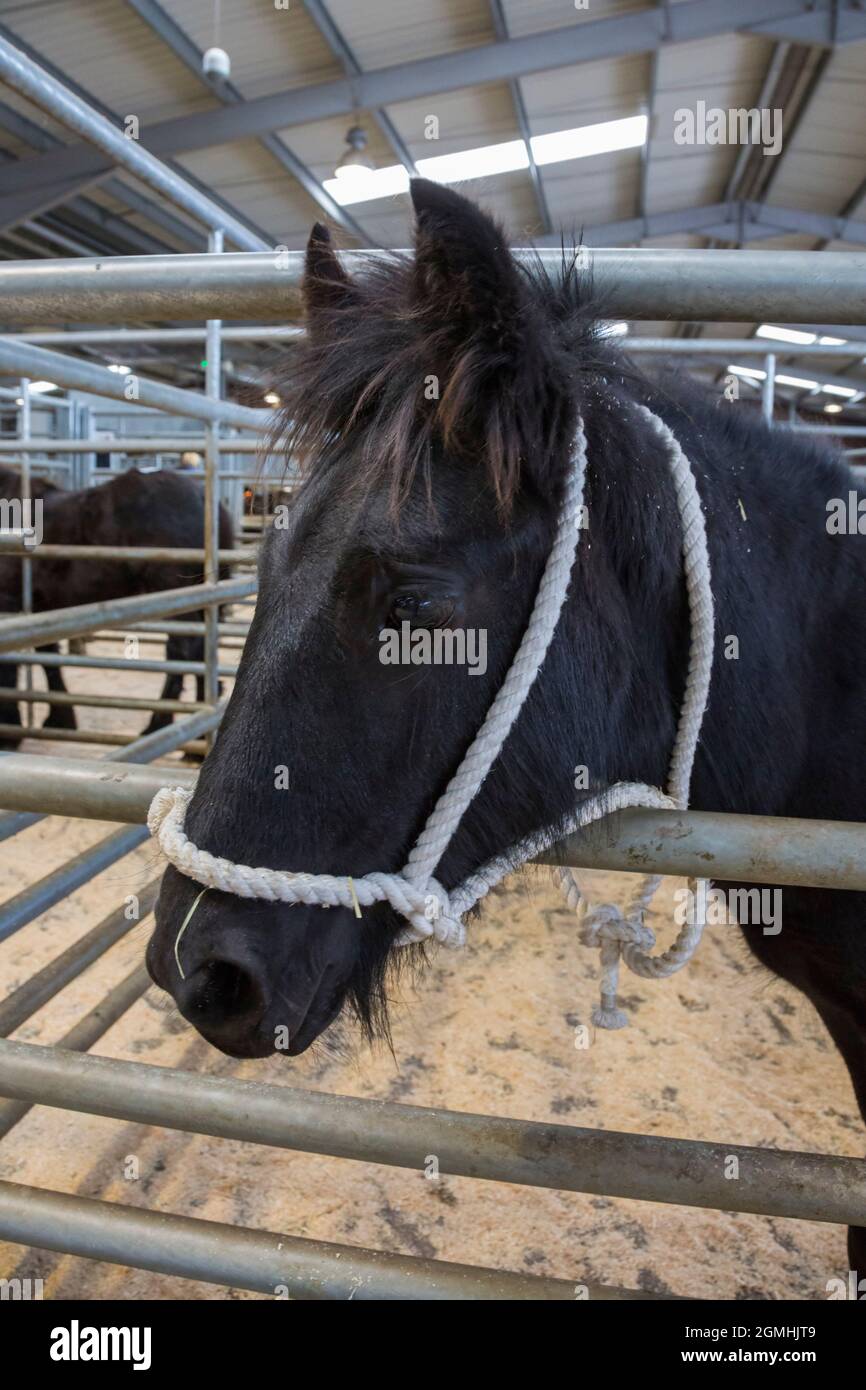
422 610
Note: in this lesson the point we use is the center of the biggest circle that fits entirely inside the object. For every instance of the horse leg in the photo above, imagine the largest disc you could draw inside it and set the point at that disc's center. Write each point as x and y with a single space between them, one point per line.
196 653
821 949
9 711
175 650
59 716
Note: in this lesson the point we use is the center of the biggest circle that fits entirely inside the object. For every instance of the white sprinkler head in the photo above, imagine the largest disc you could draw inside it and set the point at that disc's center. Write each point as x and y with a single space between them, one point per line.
216 63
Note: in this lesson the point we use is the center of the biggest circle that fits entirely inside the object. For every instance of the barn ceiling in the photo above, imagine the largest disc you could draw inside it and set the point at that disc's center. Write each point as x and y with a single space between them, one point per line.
265 142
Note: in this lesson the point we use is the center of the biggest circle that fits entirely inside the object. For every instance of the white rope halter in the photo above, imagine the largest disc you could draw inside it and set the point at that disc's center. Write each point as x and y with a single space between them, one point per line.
414 892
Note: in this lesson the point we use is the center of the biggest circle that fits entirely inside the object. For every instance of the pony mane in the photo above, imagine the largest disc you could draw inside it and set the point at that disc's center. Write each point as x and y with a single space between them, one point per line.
383 377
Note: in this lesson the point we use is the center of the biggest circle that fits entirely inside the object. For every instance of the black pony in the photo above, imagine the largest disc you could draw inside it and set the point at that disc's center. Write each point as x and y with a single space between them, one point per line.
161 509
435 401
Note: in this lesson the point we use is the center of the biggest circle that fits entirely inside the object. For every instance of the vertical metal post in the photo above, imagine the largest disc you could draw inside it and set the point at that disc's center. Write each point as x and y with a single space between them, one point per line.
24 431
769 386
213 372
87 463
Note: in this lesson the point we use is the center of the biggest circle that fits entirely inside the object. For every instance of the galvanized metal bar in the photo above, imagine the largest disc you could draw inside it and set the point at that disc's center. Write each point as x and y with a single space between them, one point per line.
35 992
99 737
227 644
772 1182
141 750
755 849
262 1261
17 911
157 638
113 791
110 737
175 735
79 375
140 553
729 347
81 618
184 629
631 282
769 387
25 489
855 431
75 337
118 444
213 379
35 83
130 702
112 663
87 1031
181 287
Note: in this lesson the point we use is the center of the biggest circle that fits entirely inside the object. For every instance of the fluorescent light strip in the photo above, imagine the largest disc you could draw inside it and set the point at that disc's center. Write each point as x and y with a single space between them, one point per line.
841 391
784 335
556 148
376 183
747 372
475 164
797 381
795 335
585 140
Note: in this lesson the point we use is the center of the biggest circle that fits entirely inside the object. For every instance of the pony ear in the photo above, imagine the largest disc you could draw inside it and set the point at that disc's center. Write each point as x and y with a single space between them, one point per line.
498 389
464 270
326 285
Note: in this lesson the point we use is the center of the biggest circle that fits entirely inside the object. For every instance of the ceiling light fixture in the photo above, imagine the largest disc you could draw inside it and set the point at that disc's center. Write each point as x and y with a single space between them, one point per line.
355 165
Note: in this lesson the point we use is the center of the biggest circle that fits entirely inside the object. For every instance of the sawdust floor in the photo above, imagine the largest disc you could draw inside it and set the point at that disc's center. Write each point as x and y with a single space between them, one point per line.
723 1051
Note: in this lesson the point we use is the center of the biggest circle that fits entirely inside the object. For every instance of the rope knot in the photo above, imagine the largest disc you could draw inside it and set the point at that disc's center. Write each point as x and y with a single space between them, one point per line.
167 799
607 924
428 912
615 933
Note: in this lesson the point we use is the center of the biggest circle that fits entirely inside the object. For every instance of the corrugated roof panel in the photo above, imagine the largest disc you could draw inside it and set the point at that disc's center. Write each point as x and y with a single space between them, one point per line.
510 199
539 16
466 119
585 192
585 95
383 34
36 117
105 48
271 49
689 178
824 161
783 243
388 222
726 73
248 178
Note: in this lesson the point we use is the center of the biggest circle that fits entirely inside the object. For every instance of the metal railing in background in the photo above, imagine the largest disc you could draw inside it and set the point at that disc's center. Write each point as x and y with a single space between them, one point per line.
631 282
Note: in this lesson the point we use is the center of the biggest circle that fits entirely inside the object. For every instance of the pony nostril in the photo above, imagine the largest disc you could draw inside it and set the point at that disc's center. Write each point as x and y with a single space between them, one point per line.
221 991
